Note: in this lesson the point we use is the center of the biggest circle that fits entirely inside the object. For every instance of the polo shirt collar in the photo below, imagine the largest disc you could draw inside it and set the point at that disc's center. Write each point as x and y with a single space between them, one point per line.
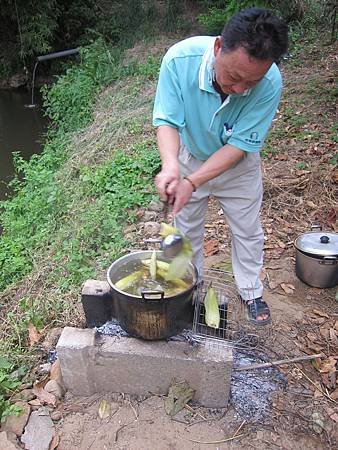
206 72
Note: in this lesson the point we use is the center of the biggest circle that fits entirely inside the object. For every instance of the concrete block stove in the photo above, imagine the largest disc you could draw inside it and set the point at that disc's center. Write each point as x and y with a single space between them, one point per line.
92 362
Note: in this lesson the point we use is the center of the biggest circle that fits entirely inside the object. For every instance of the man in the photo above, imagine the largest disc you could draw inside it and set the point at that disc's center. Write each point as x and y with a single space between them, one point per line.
215 101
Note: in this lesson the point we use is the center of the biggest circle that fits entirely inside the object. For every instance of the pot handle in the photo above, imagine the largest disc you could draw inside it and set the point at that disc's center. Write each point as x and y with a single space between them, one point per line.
316 226
329 260
159 294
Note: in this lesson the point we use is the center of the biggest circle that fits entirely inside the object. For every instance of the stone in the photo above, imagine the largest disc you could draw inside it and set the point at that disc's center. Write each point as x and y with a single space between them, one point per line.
44 368
8 441
56 415
54 388
109 364
155 206
149 216
39 431
24 395
14 423
151 229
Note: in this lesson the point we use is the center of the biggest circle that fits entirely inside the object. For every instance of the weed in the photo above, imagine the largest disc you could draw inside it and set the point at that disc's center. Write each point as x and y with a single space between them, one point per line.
8 382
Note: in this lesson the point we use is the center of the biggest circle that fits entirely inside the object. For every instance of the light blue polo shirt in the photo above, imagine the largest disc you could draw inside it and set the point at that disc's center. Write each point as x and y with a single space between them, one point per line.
186 100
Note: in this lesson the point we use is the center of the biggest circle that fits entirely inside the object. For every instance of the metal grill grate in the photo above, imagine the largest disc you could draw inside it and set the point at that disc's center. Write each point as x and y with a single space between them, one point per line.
232 330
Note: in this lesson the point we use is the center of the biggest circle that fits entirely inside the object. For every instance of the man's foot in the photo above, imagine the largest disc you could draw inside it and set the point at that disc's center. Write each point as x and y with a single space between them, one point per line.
258 311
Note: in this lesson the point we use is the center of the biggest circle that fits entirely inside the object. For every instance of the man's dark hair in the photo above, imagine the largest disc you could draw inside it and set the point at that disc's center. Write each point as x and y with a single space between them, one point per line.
259 31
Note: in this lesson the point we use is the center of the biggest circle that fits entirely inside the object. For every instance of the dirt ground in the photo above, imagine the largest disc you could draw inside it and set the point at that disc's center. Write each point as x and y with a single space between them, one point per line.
300 188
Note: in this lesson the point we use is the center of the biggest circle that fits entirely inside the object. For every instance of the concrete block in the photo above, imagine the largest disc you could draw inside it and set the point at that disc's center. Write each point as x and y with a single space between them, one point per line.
97 302
74 348
98 364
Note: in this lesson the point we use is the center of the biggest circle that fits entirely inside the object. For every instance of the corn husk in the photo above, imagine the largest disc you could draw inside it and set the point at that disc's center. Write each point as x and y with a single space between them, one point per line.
212 316
129 280
162 271
179 265
152 265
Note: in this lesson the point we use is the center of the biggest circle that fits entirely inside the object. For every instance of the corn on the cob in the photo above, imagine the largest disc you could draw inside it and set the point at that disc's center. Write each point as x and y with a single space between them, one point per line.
212 317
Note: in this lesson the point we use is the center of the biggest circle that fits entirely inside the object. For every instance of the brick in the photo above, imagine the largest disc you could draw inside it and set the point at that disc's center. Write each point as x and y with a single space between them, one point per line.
97 302
100 364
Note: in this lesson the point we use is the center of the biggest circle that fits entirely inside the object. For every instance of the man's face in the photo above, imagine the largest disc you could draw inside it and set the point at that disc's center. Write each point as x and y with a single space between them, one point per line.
236 71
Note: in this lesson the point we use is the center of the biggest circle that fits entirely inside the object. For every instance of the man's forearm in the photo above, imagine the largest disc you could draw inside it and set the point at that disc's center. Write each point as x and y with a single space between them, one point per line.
168 144
222 160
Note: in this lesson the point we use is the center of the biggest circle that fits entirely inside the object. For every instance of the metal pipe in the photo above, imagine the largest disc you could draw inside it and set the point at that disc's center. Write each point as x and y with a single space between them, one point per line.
58 54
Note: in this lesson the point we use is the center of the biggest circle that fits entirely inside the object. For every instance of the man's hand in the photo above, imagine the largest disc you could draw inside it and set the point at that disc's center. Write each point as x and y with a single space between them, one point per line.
183 194
166 183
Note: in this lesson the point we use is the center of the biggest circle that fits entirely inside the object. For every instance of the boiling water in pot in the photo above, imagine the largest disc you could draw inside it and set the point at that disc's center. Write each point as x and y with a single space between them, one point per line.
134 278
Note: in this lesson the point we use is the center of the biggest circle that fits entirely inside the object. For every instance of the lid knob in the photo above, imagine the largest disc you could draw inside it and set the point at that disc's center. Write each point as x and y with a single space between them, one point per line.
324 239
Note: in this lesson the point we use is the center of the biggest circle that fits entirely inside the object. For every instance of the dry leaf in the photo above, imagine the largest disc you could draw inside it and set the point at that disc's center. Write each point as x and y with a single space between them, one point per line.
54 442
312 336
35 402
56 375
211 247
44 396
320 313
334 394
333 336
33 334
329 379
273 284
104 409
311 204
328 365
287 288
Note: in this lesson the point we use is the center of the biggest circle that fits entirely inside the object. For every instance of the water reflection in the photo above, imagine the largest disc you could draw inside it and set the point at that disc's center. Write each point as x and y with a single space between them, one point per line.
21 129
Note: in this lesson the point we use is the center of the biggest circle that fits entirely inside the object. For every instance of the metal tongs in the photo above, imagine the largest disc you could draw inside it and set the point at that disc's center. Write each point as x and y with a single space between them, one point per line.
172 244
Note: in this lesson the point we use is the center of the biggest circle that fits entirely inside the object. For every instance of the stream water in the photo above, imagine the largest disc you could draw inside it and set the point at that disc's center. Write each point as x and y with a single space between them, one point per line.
21 129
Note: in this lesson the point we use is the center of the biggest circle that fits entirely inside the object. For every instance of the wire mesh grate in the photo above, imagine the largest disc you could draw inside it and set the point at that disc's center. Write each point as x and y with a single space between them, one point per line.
232 330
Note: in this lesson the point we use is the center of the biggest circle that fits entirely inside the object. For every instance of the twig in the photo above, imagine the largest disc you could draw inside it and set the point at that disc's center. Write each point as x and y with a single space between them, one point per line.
134 411
217 442
189 408
239 428
316 386
278 363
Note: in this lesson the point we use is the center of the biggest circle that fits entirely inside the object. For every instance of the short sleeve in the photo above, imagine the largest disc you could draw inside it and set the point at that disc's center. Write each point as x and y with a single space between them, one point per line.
168 105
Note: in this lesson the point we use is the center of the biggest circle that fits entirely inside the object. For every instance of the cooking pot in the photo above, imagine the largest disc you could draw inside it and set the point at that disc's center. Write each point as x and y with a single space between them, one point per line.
151 315
317 258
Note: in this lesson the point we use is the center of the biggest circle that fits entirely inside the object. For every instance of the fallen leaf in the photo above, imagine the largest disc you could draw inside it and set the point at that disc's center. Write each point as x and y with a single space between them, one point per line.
54 442
312 336
35 402
104 409
334 394
273 284
328 365
311 204
333 336
178 396
320 313
287 288
44 396
211 247
33 334
329 379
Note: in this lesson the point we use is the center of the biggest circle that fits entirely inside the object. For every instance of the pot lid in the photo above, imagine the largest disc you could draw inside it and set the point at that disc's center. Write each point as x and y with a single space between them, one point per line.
320 243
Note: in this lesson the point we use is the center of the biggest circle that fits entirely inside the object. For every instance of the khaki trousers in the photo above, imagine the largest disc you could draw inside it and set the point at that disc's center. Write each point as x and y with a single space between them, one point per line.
239 192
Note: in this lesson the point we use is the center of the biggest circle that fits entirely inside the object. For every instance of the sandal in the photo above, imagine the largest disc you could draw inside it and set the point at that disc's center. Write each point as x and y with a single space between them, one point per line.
256 308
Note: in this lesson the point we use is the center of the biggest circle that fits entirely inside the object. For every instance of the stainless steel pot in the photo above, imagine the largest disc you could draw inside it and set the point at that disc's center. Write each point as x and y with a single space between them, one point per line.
317 258
151 315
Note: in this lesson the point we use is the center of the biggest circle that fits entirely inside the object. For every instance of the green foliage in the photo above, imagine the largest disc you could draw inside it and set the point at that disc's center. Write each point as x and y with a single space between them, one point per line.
213 21
42 213
8 382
